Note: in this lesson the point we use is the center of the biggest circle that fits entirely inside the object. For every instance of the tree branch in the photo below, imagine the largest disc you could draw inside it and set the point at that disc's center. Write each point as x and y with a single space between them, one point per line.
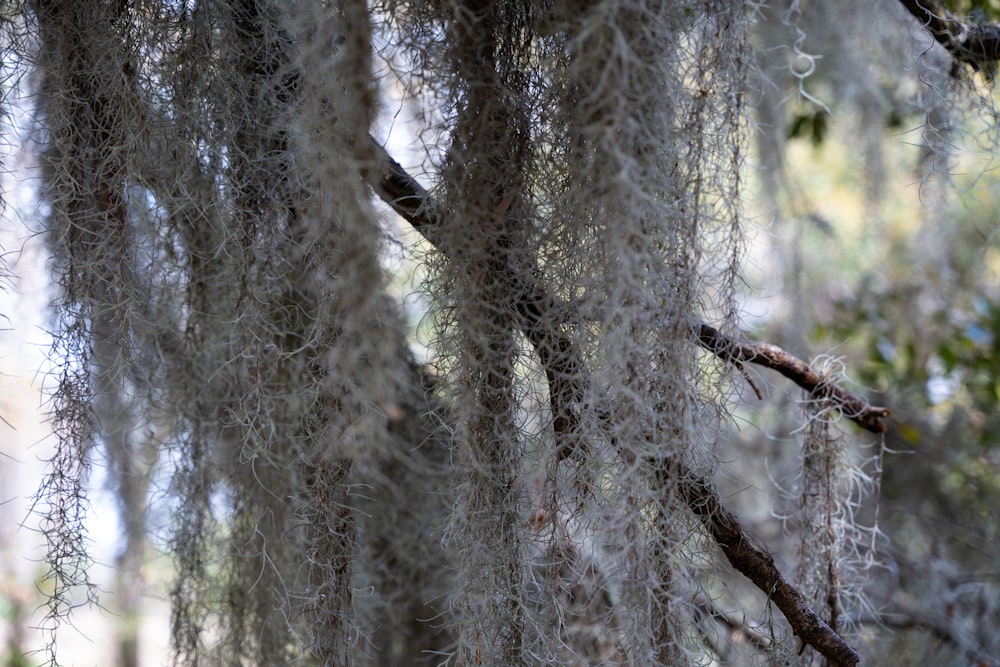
758 566
540 312
541 323
771 356
537 310
975 45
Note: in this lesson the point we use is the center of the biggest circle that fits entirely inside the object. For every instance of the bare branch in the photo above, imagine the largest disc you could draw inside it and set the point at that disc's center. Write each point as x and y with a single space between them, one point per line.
758 566
856 409
566 373
405 195
975 45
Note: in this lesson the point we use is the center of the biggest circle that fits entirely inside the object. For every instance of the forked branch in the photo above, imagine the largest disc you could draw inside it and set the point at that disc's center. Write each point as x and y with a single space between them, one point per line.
541 323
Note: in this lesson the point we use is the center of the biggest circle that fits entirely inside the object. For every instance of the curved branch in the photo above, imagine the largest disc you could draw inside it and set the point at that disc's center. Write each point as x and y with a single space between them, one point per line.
856 409
541 322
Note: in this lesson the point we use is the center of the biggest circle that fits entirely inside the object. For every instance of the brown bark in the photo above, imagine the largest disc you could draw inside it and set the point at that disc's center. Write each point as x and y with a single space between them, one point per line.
868 417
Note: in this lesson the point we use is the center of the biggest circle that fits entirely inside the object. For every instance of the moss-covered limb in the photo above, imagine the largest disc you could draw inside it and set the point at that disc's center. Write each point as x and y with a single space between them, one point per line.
538 312
541 320
541 326
977 45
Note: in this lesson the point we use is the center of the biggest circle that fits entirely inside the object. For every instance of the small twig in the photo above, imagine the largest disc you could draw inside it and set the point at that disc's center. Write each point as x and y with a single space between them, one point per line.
755 638
750 381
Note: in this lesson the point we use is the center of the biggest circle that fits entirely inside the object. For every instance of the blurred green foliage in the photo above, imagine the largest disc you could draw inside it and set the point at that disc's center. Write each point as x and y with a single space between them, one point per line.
924 335
812 125
979 10
901 282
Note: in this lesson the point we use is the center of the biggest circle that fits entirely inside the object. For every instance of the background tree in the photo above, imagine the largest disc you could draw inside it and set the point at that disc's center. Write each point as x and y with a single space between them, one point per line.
542 487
